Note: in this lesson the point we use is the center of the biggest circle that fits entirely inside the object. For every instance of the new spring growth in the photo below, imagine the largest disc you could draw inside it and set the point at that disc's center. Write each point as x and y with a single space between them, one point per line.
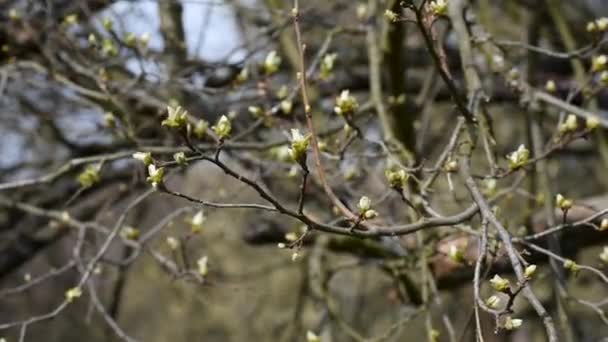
144 39
519 157
492 302
592 122
89 177
396 178
72 294
604 224
299 145
439 7
392 16
271 63
107 23
286 106
295 256
255 111
569 125
155 175
434 335
177 117
202 266
365 208
451 166
598 26
345 104
604 78
144 157
109 120
223 127
243 76
92 39
512 323
550 86
500 284
327 65
180 158
109 48
280 153
361 11
529 271
200 129
196 224
562 202
490 186
172 242
130 233
604 255
14 14
455 254
312 337
71 19
130 39
571 266
598 63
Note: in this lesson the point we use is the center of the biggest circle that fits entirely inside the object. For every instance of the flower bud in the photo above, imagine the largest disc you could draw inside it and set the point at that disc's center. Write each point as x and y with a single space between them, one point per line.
172 242
500 284
295 256
243 76
92 39
71 19
130 39
223 127
550 86
202 266
451 166
604 255
391 16
604 224
72 294
144 39
299 145
271 63
529 271
286 106
200 129
144 157
196 224
180 158
439 7
396 179
177 117
592 122
312 337
107 23
569 125
130 233
518 158
327 65
492 302
455 254
345 104
599 63
512 323
109 120
571 266
562 202
89 176
370 214
155 175
364 204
